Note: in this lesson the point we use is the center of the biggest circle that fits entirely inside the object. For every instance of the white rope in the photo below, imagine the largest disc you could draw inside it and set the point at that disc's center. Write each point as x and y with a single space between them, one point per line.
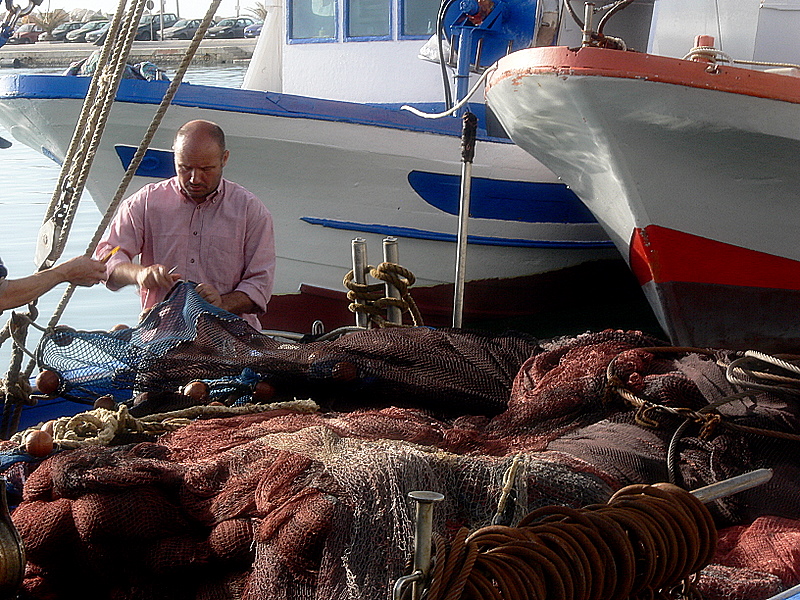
461 103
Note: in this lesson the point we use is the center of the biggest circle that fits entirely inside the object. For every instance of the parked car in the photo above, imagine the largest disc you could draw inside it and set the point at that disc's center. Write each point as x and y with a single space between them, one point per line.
96 34
59 33
79 35
254 30
26 34
184 29
230 28
150 25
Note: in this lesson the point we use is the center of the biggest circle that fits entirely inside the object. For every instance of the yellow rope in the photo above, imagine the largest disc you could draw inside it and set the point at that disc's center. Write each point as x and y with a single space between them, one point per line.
371 298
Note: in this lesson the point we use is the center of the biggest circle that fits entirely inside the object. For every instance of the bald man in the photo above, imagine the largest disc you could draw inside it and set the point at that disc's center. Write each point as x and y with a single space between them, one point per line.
196 226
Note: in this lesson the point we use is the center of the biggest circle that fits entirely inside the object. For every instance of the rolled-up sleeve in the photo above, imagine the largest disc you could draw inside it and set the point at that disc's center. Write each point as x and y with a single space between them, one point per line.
258 275
125 231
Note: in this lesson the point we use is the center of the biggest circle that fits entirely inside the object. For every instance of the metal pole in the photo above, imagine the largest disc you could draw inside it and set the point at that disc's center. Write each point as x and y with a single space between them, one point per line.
588 14
733 485
422 537
177 9
469 129
359 248
391 255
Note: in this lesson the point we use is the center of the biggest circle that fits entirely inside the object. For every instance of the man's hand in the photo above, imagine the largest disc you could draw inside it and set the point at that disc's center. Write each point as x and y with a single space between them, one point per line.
237 303
155 276
210 294
81 270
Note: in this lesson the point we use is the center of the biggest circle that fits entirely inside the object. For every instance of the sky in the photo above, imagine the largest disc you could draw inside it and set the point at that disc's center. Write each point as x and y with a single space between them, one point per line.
187 8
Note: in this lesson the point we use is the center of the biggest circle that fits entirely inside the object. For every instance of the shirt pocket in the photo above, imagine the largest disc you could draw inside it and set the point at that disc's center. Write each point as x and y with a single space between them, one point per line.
223 261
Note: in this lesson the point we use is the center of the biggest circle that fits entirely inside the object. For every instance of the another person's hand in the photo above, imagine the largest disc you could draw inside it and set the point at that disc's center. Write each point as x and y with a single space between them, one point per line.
156 276
81 270
209 293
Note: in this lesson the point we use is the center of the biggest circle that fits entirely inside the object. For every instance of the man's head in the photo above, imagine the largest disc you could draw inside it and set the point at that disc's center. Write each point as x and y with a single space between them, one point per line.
200 156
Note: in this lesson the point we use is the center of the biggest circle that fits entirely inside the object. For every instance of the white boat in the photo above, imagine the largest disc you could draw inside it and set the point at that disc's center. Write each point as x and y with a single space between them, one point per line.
320 137
688 162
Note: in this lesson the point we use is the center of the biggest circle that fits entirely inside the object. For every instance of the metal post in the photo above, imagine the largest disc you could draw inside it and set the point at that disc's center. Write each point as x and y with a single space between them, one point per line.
588 14
359 248
733 485
469 130
391 255
423 533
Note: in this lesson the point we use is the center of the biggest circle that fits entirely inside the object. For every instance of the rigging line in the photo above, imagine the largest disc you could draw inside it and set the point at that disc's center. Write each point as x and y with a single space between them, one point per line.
85 141
145 143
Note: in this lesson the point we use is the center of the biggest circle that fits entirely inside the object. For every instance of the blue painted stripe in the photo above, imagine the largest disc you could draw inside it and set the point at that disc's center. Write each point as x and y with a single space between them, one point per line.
159 164
524 201
387 116
410 232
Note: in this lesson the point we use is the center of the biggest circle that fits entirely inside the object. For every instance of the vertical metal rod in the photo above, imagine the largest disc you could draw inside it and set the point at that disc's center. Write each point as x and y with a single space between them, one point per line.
423 532
392 255
469 130
359 248
588 14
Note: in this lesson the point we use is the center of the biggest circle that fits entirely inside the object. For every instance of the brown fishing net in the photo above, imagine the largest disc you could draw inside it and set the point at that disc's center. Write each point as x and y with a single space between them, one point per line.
314 505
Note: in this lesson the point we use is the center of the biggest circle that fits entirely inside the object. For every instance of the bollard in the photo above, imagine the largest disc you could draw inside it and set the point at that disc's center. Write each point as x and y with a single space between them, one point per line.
359 249
392 255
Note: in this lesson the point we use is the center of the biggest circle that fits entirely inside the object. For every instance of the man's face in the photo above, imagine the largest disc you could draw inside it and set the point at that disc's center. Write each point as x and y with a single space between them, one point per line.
199 162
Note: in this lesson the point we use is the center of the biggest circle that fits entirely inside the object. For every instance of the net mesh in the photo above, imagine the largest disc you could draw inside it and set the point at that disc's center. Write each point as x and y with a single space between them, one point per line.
283 504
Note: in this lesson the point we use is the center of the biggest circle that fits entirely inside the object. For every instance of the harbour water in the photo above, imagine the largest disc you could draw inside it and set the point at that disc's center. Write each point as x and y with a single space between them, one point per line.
27 180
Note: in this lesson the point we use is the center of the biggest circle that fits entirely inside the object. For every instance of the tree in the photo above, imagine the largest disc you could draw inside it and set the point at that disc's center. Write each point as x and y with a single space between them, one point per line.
259 11
50 20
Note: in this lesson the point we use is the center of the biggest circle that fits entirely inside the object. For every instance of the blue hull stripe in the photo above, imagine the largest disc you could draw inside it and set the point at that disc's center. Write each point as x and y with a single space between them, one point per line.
244 101
410 232
524 201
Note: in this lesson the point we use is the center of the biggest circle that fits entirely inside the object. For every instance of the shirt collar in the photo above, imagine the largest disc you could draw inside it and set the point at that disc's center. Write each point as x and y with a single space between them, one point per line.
213 197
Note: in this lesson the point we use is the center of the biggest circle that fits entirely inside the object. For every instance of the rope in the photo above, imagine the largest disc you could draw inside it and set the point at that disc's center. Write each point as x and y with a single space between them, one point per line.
707 417
371 298
99 427
458 106
646 542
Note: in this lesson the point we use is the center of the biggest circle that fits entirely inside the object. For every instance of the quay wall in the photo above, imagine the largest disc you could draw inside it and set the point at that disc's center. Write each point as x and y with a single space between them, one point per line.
164 54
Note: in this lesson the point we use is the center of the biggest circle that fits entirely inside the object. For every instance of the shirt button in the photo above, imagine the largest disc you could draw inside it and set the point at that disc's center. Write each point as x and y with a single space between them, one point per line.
194 233
191 261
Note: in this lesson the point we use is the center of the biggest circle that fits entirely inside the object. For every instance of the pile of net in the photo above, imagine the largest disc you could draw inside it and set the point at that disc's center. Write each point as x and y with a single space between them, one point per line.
289 504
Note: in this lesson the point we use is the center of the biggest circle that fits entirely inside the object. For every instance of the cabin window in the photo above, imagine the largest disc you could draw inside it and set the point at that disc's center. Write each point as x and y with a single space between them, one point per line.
369 19
312 20
418 17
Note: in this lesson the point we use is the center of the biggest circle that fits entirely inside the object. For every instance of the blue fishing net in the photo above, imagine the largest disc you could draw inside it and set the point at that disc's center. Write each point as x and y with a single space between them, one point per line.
185 339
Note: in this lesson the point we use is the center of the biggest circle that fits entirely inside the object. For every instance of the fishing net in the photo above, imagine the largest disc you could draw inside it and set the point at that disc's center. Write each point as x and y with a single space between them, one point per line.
300 505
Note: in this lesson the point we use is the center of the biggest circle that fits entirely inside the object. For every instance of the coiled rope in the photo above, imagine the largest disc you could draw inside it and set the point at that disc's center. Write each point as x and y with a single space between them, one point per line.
372 300
100 426
647 542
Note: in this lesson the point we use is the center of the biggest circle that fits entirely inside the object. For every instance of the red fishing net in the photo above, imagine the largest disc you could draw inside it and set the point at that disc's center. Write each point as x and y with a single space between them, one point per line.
314 505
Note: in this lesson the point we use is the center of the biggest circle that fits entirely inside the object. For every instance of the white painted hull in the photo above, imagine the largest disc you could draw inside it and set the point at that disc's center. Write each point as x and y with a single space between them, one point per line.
678 169
350 175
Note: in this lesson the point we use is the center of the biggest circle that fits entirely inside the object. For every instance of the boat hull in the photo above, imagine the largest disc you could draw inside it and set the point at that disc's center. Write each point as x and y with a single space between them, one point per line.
333 171
690 171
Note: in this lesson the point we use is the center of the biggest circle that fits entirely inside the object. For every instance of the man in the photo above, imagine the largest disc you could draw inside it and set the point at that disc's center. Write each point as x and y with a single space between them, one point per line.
196 226
80 270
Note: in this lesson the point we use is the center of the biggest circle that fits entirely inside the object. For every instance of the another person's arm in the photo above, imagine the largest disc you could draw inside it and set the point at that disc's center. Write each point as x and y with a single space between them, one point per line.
80 270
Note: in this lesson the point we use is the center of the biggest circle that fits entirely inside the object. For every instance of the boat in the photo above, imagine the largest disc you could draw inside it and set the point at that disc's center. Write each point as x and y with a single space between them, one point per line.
319 134
685 153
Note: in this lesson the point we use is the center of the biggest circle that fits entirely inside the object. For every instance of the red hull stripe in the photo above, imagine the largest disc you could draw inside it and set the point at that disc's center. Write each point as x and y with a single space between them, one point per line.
665 255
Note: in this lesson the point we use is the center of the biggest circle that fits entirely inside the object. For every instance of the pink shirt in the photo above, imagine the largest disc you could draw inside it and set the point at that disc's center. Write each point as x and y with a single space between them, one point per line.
226 241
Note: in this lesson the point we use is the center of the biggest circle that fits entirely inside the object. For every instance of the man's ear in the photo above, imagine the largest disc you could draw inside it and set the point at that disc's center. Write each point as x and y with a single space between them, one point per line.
225 156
